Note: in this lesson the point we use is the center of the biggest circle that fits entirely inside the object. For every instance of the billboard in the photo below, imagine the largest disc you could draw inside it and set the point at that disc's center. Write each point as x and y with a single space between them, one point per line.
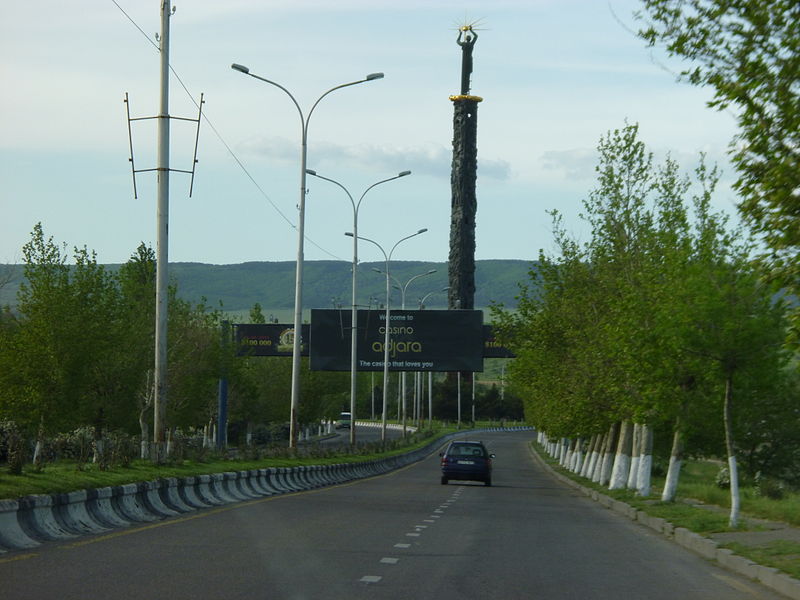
491 347
419 340
270 339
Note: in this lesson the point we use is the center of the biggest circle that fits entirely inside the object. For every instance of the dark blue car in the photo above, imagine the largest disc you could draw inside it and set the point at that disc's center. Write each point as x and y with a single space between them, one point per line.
467 461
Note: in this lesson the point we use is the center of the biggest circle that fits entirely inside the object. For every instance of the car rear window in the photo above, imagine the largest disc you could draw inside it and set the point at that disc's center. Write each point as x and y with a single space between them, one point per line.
466 450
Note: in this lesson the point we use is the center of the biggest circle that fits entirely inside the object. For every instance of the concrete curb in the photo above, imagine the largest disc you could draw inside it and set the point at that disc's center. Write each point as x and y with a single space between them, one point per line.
29 521
700 545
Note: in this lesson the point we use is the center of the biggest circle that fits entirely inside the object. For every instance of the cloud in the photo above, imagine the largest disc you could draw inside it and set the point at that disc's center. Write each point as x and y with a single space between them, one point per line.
431 159
573 164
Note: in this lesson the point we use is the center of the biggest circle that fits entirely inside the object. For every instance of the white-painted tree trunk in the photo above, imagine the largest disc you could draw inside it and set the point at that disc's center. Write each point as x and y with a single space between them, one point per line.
145 405
99 448
169 442
608 454
587 460
597 474
622 460
674 470
733 521
645 461
39 448
578 456
633 474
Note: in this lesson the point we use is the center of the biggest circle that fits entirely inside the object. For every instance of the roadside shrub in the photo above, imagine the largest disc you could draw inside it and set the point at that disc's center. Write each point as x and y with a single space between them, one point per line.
189 446
768 487
120 449
723 480
77 445
12 447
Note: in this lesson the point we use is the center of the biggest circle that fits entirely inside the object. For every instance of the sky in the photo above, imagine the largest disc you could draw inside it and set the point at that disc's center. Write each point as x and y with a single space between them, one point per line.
555 76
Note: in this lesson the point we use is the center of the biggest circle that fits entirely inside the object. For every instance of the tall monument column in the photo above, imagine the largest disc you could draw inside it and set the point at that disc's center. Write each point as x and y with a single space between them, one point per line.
464 204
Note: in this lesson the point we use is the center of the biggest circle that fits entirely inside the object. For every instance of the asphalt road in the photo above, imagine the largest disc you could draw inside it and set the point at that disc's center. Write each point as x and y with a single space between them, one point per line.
400 535
341 437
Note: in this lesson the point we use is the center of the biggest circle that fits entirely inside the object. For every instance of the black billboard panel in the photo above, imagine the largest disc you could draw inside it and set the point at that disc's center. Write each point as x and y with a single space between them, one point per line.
492 348
419 340
270 339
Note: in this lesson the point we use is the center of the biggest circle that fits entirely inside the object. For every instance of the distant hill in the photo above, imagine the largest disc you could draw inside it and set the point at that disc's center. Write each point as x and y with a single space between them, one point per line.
326 283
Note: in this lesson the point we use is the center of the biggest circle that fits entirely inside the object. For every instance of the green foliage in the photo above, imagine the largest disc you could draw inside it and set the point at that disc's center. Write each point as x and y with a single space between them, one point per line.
748 52
653 318
79 356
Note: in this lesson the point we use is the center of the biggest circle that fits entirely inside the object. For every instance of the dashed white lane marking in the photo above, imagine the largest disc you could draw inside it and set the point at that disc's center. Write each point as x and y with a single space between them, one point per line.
388 560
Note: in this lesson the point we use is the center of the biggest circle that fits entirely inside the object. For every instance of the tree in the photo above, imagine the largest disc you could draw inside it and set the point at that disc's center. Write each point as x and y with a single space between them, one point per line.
66 363
137 281
739 328
651 321
748 51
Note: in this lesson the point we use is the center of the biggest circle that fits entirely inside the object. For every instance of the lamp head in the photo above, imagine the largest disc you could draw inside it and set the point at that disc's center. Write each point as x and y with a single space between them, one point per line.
240 68
422 230
348 233
372 76
431 272
311 171
403 173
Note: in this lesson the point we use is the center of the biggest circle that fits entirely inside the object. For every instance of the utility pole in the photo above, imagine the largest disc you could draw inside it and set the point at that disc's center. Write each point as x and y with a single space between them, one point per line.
162 169
162 242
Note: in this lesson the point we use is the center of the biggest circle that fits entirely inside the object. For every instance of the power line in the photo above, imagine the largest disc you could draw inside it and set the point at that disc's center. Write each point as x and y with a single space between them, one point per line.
222 140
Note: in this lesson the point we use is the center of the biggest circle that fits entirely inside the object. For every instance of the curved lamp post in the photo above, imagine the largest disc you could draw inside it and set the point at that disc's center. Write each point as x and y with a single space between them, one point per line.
298 290
430 373
354 314
387 320
429 294
403 289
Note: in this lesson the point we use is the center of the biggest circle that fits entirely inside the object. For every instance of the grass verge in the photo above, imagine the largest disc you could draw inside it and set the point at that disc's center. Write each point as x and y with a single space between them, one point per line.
68 476
779 554
702 507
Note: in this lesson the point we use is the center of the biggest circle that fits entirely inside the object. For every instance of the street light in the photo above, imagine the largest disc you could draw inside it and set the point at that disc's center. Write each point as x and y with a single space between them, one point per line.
403 289
429 294
298 290
387 320
353 328
430 373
